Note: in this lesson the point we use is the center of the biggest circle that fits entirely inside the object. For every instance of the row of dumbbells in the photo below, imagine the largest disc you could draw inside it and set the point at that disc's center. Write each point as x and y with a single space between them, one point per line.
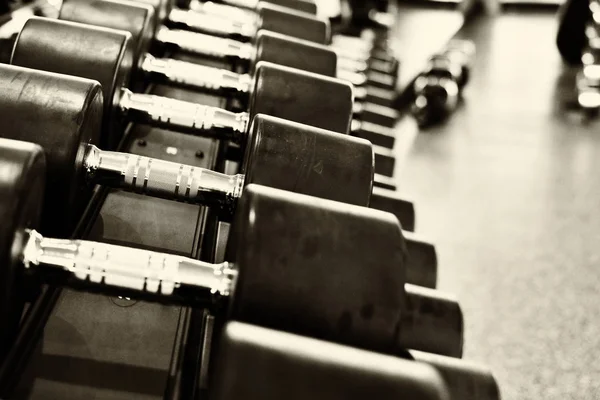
297 262
578 41
588 78
438 89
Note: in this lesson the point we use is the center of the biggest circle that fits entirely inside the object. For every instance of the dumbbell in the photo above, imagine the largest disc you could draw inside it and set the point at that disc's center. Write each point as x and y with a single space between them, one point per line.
69 48
294 262
250 345
304 368
460 54
438 88
245 7
138 21
268 17
436 97
571 39
278 153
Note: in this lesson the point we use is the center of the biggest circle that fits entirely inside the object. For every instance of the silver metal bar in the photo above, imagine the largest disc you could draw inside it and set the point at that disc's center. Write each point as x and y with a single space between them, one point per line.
250 4
355 78
224 11
215 24
196 76
348 64
184 116
142 270
161 178
205 45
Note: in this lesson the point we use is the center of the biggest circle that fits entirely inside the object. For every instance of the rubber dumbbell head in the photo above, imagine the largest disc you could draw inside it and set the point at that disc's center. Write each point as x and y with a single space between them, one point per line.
309 368
464 380
267 16
22 185
570 39
435 99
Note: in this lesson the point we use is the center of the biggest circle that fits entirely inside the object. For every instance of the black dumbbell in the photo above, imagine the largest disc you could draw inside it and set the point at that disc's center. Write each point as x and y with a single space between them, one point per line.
294 262
464 380
247 355
278 153
460 54
269 17
571 38
243 344
435 98
69 48
138 22
438 88
243 7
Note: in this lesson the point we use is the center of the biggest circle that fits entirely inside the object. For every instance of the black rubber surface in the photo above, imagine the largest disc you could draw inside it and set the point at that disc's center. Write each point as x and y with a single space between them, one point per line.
21 188
62 114
81 50
302 159
313 258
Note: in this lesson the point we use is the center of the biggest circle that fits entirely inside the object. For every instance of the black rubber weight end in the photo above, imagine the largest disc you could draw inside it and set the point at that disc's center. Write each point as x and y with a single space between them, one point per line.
307 265
302 97
73 49
311 369
22 181
303 159
294 23
295 53
135 18
62 114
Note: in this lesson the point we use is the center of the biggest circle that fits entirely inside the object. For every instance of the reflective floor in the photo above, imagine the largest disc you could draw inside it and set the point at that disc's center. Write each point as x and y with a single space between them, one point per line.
509 191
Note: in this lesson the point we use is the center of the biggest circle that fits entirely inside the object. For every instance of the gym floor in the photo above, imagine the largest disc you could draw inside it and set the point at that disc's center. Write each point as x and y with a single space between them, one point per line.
506 190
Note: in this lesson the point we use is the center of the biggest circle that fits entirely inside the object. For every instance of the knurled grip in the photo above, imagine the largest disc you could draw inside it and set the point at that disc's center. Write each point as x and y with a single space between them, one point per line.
184 116
206 45
223 10
137 269
214 24
164 179
250 4
195 75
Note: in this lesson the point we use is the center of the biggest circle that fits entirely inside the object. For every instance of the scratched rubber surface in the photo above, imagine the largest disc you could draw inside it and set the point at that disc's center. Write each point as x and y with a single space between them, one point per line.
508 190
100 347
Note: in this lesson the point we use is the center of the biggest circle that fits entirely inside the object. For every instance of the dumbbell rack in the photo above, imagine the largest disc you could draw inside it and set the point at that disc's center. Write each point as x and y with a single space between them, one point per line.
122 218
169 359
